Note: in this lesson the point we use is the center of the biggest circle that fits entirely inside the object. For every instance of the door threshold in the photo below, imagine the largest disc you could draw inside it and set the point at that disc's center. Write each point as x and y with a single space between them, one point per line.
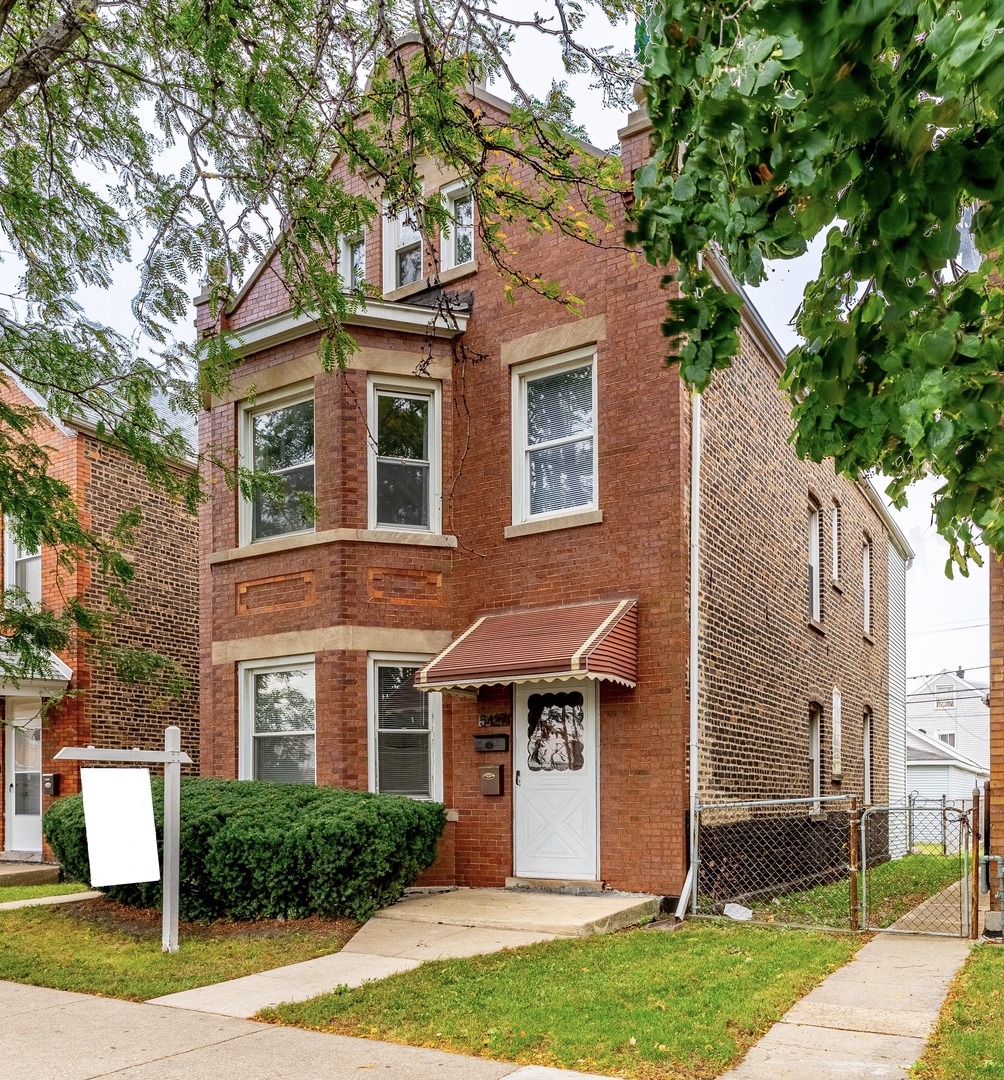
564 886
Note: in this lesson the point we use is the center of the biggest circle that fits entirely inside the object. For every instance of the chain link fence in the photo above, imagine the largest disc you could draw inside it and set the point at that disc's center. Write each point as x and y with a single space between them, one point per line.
823 863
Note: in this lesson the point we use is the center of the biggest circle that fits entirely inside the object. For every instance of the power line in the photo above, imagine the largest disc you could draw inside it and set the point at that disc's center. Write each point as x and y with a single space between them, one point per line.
952 671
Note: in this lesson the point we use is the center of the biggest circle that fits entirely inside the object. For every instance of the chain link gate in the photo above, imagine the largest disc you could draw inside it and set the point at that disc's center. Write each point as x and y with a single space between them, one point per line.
823 863
916 869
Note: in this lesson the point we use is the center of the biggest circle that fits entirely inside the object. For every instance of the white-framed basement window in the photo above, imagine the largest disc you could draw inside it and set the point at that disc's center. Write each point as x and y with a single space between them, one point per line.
814 563
405 729
276 436
277 709
405 449
554 436
457 242
403 257
352 262
22 568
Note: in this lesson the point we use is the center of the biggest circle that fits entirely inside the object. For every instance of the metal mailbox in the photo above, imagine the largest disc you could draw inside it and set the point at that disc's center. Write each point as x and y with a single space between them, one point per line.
487 744
491 779
50 784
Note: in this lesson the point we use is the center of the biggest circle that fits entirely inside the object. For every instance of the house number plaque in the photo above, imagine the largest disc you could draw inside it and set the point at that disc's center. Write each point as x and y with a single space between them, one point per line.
499 719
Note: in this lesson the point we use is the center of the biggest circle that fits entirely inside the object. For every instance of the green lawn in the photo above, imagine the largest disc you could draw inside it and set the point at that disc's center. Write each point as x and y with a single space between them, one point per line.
968 1043
30 892
98 947
894 888
637 1004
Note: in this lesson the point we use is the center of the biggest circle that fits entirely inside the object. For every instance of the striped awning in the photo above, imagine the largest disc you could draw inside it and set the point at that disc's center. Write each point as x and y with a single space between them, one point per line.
576 641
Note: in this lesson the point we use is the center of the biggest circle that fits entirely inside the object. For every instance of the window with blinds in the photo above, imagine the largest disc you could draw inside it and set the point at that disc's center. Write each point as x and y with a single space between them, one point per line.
556 440
282 723
403 733
23 569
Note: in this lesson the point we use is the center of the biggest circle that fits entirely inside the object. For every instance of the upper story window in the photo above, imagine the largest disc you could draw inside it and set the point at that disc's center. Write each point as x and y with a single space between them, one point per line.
947 737
835 541
554 436
403 261
944 695
815 745
278 721
405 733
277 438
352 262
22 567
815 603
458 241
404 455
866 585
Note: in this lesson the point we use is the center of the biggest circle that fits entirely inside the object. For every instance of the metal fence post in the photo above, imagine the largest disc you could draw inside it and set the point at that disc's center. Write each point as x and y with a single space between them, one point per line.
909 824
864 868
944 827
855 913
974 930
172 840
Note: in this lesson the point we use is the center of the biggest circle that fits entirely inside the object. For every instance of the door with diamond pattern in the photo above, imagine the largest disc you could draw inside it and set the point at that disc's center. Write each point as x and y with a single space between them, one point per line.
555 793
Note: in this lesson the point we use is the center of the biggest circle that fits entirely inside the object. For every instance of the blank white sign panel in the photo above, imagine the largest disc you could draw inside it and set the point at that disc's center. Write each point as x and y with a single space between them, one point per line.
121 837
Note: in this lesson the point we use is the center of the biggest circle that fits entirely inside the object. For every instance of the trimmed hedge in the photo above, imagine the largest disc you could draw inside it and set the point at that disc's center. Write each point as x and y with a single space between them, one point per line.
254 850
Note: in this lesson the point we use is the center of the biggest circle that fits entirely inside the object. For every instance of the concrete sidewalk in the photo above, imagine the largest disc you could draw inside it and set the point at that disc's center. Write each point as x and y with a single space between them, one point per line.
867 1021
435 926
53 1035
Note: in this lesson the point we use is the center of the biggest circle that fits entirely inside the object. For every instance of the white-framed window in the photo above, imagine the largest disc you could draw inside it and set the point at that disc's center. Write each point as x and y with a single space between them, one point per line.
352 262
405 447
836 735
866 749
815 742
277 437
835 541
944 694
554 436
403 257
22 568
947 737
405 729
277 712
457 247
815 602
866 585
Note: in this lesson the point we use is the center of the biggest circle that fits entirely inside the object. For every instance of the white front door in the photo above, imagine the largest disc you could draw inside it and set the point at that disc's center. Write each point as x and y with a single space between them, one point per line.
555 792
24 775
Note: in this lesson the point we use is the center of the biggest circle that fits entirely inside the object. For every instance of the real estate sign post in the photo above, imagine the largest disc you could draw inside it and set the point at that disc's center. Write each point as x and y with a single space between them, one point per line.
126 858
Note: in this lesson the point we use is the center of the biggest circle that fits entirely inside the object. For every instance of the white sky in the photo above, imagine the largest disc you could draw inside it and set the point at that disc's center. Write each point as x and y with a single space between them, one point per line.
946 620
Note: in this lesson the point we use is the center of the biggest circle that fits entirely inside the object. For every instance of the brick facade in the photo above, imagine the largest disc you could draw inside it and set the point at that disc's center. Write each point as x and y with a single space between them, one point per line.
101 709
761 663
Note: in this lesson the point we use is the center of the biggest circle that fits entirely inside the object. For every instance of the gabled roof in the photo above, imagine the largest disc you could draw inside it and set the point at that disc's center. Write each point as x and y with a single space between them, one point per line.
924 750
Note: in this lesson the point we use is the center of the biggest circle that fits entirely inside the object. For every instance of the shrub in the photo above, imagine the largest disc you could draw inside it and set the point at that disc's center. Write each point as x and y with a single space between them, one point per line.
254 850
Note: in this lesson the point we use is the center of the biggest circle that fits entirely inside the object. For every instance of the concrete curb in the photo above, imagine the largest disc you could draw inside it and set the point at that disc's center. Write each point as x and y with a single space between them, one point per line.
38 901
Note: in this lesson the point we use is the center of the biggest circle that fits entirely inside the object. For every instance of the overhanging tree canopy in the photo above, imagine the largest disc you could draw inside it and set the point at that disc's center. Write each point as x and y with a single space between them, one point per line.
202 132
878 122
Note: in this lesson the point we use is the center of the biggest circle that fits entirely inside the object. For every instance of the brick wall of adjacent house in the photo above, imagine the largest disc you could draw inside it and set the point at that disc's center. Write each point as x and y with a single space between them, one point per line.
996 709
762 661
163 605
639 550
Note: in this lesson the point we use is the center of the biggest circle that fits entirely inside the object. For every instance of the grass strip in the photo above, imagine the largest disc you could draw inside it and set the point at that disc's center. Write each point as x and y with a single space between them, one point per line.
32 892
894 889
99 947
635 1004
968 1043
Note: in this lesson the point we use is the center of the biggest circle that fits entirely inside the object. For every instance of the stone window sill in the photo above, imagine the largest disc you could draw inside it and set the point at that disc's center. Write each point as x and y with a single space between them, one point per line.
552 524
868 638
333 536
837 587
455 273
814 624
404 291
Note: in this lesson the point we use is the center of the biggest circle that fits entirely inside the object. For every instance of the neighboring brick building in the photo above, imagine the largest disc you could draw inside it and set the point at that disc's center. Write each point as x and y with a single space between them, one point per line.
164 611
546 486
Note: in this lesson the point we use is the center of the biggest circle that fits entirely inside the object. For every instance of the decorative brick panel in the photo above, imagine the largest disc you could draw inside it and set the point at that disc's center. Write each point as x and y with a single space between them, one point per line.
278 593
414 588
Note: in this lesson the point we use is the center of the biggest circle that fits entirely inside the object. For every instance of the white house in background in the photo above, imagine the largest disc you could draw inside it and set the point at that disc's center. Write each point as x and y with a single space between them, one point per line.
934 769
955 711
900 560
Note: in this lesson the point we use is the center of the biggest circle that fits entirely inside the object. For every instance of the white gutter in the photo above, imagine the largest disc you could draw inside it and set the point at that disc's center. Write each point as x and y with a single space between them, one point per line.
695 593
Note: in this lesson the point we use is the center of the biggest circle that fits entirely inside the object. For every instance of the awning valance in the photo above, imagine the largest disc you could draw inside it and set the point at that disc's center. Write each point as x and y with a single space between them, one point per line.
577 641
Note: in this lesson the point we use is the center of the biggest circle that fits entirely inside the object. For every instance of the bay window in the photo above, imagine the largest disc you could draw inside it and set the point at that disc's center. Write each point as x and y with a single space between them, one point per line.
278 721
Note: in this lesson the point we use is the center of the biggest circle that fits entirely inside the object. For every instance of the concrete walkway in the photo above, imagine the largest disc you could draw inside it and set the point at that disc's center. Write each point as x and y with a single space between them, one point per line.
53 1035
867 1021
433 926
12 873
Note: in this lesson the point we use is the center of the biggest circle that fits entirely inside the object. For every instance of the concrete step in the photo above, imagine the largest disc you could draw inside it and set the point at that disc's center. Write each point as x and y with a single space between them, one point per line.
28 874
569 887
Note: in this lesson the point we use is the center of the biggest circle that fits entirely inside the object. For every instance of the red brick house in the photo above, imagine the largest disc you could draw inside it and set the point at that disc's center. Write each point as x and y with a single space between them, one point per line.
101 710
502 604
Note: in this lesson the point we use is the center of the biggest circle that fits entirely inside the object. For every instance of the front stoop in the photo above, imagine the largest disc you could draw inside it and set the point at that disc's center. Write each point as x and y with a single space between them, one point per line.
563 887
528 912
12 873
